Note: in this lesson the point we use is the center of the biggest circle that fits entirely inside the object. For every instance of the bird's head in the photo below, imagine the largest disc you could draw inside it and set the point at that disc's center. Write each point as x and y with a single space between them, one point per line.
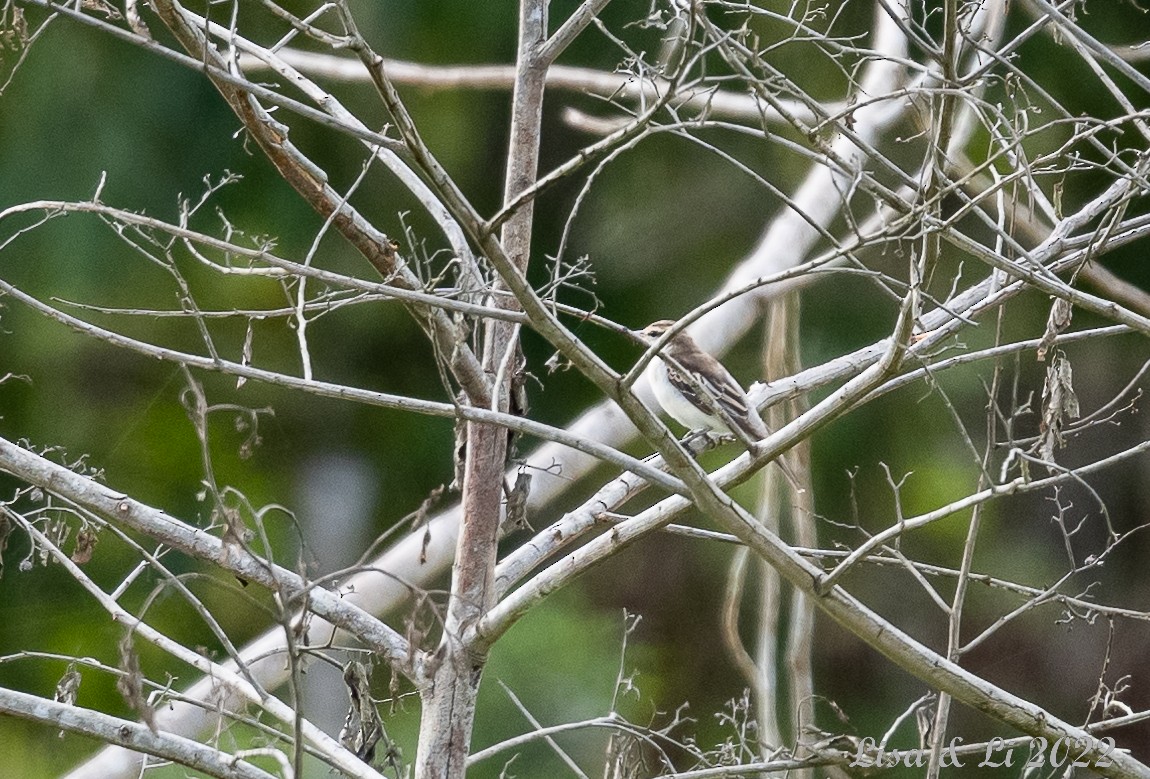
655 330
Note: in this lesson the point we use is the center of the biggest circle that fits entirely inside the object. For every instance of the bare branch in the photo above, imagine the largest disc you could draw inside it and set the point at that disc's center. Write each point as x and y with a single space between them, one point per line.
136 736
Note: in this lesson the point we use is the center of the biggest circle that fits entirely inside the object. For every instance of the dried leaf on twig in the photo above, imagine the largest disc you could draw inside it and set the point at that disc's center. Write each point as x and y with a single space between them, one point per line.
1059 403
1061 313
362 727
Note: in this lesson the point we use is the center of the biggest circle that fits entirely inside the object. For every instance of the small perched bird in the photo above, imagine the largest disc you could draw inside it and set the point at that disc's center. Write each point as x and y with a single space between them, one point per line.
695 390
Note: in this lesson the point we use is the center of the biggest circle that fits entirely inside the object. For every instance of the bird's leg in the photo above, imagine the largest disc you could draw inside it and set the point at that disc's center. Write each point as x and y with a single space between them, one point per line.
702 440
695 442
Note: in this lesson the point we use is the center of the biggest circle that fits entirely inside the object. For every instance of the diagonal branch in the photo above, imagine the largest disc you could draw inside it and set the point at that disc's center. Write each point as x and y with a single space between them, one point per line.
127 512
311 184
549 50
133 735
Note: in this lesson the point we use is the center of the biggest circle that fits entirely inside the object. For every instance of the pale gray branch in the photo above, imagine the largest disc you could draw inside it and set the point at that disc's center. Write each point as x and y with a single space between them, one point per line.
125 733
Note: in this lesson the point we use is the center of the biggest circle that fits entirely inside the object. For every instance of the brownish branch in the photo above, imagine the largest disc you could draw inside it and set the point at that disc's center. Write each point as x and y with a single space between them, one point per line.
311 184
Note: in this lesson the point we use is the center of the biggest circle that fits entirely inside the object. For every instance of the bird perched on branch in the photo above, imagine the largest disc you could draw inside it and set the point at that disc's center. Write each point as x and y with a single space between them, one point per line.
695 390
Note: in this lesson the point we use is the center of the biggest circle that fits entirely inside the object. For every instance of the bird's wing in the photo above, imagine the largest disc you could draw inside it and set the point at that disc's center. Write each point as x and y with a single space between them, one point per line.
720 393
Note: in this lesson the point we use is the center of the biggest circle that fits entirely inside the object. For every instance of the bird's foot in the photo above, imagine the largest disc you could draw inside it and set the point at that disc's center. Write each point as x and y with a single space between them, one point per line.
704 439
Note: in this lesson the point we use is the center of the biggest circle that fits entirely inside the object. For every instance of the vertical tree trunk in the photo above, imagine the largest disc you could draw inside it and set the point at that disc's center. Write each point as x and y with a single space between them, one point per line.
449 697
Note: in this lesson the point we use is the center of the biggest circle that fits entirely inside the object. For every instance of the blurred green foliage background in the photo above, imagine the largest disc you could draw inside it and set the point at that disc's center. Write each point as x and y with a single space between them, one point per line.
662 229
